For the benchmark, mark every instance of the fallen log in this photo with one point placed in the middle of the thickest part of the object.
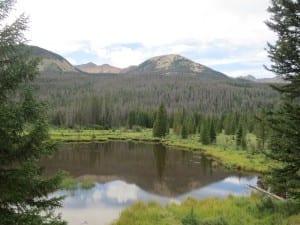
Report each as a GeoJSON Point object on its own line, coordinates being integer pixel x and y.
{"type": "Point", "coordinates": [266, 192]}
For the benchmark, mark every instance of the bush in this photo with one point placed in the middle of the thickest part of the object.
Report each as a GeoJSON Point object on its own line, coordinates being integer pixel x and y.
{"type": "Point", "coordinates": [190, 219]}
{"type": "Point", "coordinates": [137, 128]}
{"type": "Point", "coordinates": [87, 184]}
{"type": "Point", "coordinates": [215, 221]}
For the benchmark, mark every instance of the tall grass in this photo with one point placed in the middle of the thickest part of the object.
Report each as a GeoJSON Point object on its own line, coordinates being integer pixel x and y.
{"type": "Point", "coordinates": [252, 210]}
{"type": "Point", "coordinates": [71, 184]}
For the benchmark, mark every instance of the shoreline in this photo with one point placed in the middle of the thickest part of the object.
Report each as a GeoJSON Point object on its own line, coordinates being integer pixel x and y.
{"type": "Point", "coordinates": [230, 158]}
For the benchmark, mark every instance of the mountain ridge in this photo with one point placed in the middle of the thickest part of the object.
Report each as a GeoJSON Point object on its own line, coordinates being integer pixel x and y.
{"type": "Point", "coordinates": [271, 80]}
{"type": "Point", "coordinates": [173, 64]}
{"type": "Point", "coordinates": [165, 65]}
{"type": "Point", "coordinates": [94, 68]}
{"type": "Point", "coordinates": [50, 61]}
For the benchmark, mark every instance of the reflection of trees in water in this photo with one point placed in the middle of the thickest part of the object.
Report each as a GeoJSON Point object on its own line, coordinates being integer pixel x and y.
{"type": "Point", "coordinates": [131, 146]}
{"type": "Point", "coordinates": [204, 165]}
{"type": "Point", "coordinates": [160, 155]}
{"type": "Point", "coordinates": [94, 158]}
{"type": "Point", "coordinates": [183, 155]}
{"type": "Point", "coordinates": [151, 166]}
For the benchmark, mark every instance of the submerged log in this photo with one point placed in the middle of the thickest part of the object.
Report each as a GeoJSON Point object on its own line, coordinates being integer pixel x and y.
{"type": "Point", "coordinates": [266, 192]}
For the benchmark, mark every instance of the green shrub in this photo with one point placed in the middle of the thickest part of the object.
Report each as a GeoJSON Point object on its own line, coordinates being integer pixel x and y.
{"type": "Point", "coordinates": [87, 184]}
{"type": "Point", "coordinates": [215, 221]}
{"type": "Point", "coordinates": [68, 183]}
{"type": "Point", "coordinates": [190, 219]}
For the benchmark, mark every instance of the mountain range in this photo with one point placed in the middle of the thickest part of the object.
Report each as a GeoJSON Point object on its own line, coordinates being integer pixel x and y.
{"type": "Point", "coordinates": [50, 61]}
{"type": "Point", "coordinates": [93, 68]}
{"type": "Point", "coordinates": [108, 98]}
{"type": "Point", "coordinates": [168, 65]}
{"type": "Point", "coordinates": [273, 80]}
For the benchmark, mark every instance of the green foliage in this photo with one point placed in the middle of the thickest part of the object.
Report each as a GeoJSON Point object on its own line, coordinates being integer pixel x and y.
{"type": "Point", "coordinates": [109, 101]}
{"type": "Point", "coordinates": [24, 135]}
{"type": "Point", "coordinates": [71, 184]}
{"type": "Point", "coordinates": [190, 124]}
{"type": "Point", "coordinates": [241, 137]}
{"type": "Point", "coordinates": [68, 183]}
{"type": "Point", "coordinates": [131, 119]}
{"type": "Point", "coordinates": [190, 219]}
{"type": "Point", "coordinates": [231, 122]}
{"type": "Point", "coordinates": [160, 127]}
{"type": "Point", "coordinates": [261, 130]}
{"type": "Point", "coordinates": [232, 210]}
{"type": "Point", "coordinates": [212, 132]}
{"type": "Point", "coordinates": [87, 184]}
{"type": "Point", "coordinates": [205, 135]}
{"type": "Point", "coordinates": [177, 122]}
{"type": "Point", "coordinates": [215, 221]}
{"type": "Point", "coordinates": [285, 121]}
{"type": "Point", "coordinates": [184, 131]}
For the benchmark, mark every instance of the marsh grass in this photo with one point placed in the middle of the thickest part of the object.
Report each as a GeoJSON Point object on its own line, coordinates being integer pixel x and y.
{"type": "Point", "coordinates": [253, 210]}
{"type": "Point", "coordinates": [68, 183]}
{"type": "Point", "coordinates": [71, 184]}
{"type": "Point", "coordinates": [69, 135]}
{"type": "Point", "coordinates": [87, 184]}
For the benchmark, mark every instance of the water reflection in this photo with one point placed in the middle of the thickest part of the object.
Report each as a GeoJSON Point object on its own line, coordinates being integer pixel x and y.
{"type": "Point", "coordinates": [160, 155]}
{"type": "Point", "coordinates": [103, 203]}
{"type": "Point", "coordinates": [127, 172]}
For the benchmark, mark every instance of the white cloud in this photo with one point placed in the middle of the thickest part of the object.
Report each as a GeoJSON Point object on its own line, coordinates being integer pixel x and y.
{"type": "Point", "coordinates": [66, 26]}
{"type": "Point", "coordinates": [258, 73]}
{"type": "Point", "coordinates": [97, 195]}
{"type": "Point", "coordinates": [72, 61]}
{"type": "Point", "coordinates": [121, 56]}
{"type": "Point", "coordinates": [122, 192]}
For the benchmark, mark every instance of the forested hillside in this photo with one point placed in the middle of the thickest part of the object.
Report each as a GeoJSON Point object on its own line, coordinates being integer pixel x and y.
{"type": "Point", "coordinates": [111, 100]}
{"type": "Point", "coordinates": [132, 97]}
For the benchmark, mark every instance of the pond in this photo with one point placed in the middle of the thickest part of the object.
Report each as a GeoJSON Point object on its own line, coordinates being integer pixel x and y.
{"type": "Point", "coordinates": [126, 172]}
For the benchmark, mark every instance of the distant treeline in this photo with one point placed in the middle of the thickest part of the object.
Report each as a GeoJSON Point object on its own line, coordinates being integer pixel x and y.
{"type": "Point", "coordinates": [112, 101]}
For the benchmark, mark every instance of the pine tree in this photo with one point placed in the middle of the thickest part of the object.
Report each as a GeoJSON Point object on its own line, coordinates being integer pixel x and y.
{"type": "Point", "coordinates": [261, 130]}
{"type": "Point", "coordinates": [191, 125]}
{"type": "Point", "coordinates": [184, 131]}
{"type": "Point", "coordinates": [204, 135]}
{"type": "Point", "coordinates": [241, 137]}
{"type": "Point", "coordinates": [212, 132]}
{"type": "Point", "coordinates": [177, 122]}
{"type": "Point", "coordinates": [160, 127]}
{"type": "Point", "coordinates": [131, 119]}
{"type": "Point", "coordinates": [23, 133]}
{"type": "Point", "coordinates": [285, 121]}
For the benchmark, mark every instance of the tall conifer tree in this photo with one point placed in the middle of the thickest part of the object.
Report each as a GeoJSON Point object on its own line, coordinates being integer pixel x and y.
{"type": "Point", "coordinates": [212, 132]}
{"type": "Point", "coordinates": [204, 134]}
{"type": "Point", "coordinates": [23, 133]}
{"type": "Point", "coordinates": [285, 122]}
{"type": "Point", "coordinates": [160, 127]}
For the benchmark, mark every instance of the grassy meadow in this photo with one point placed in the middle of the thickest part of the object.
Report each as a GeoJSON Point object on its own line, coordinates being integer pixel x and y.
{"type": "Point", "coordinates": [253, 210]}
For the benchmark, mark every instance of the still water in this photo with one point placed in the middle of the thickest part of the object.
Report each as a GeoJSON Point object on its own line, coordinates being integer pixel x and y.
{"type": "Point", "coordinates": [126, 172]}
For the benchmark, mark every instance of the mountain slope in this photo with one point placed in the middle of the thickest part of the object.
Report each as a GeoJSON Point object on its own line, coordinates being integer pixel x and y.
{"type": "Point", "coordinates": [93, 68]}
{"type": "Point", "coordinates": [50, 61]}
{"type": "Point", "coordinates": [106, 100]}
{"type": "Point", "coordinates": [174, 65]}
{"type": "Point", "coordinates": [272, 80]}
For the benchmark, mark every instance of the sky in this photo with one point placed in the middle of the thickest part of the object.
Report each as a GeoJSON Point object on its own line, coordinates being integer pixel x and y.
{"type": "Point", "coordinates": [227, 35]}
